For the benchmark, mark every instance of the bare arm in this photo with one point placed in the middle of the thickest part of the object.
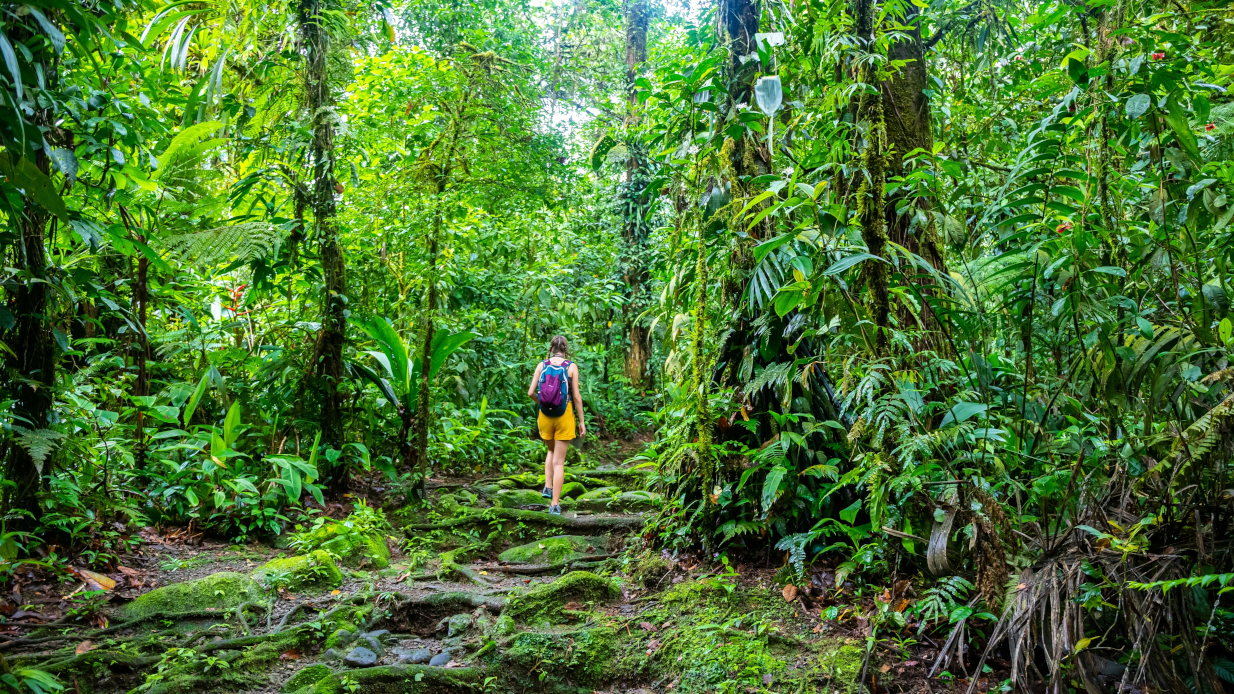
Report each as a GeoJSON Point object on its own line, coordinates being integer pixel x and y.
{"type": "Point", "coordinates": [577, 396]}
{"type": "Point", "coordinates": [535, 380]}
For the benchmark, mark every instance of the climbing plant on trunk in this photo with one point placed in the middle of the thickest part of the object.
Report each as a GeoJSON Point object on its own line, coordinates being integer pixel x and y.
{"type": "Point", "coordinates": [319, 104]}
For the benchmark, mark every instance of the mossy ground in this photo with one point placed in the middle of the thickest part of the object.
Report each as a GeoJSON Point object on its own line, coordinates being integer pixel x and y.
{"type": "Point", "coordinates": [557, 633]}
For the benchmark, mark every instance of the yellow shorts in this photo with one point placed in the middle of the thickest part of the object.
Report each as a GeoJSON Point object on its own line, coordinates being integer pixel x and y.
{"type": "Point", "coordinates": [557, 428]}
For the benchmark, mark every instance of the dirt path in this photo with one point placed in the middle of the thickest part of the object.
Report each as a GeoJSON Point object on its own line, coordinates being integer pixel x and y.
{"type": "Point", "coordinates": [483, 592]}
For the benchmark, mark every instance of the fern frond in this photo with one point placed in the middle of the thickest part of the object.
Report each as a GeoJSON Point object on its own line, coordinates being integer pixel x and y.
{"type": "Point", "coordinates": [39, 443]}
{"type": "Point", "coordinates": [239, 242]}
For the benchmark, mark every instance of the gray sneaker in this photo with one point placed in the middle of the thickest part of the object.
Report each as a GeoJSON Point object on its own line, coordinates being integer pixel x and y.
{"type": "Point", "coordinates": [555, 510]}
{"type": "Point", "coordinates": [547, 493]}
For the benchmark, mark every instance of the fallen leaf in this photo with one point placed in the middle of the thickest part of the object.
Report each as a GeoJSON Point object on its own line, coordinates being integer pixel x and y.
{"type": "Point", "coordinates": [901, 605]}
{"type": "Point", "coordinates": [885, 668]}
{"type": "Point", "coordinates": [911, 663]}
{"type": "Point", "coordinates": [1022, 586]}
{"type": "Point", "coordinates": [292, 654]}
{"type": "Point", "coordinates": [95, 581]}
{"type": "Point", "coordinates": [651, 647]}
{"type": "Point", "coordinates": [23, 614]}
{"type": "Point", "coordinates": [789, 593]}
{"type": "Point", "coordinates": [647, 626]}
{"type": "Point", "coordinates": [574, 606]}
{"type": "Point", "coordinates": [85, 647]}
{"type": "Point", "coordinates": [402, 577]}
{"type": "Point", "coordinates": [453, 664]}
{"type": "Point", "coordinates": [335, 592]}
{"type": "Point", "coordinates": [483, 573]}
{"type": "Point", "coordinates": [128, 572]}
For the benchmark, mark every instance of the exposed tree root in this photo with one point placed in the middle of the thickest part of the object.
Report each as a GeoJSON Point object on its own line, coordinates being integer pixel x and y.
{"type": "Point", "coordinates": [487, 516]}
{"type": "Point", "coordinates": [536, 569]}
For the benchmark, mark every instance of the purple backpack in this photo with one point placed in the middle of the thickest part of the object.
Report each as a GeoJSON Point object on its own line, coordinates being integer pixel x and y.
{"type": "Point", "coordinates": [554, 388]}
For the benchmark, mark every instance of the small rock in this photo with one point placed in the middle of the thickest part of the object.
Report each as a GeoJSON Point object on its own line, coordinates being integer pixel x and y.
{"type": "Point", "coordinates": [361, 657]}
{"type": "Point", "coordinates": [418, 656]}
{"type": "Point", "coordinates": [459, 624]}
{"type": "Point", "coordinates": [440, 660]}
{"type": "Point", "coordinates": [343, 636]}
{"type": "Point", "coordinates": [456, 652]}
{"type": "Point", "coordinates": [374, 645]}
{"type": "Point", "coordinates": [379, 634]}
{"type": "Point", "coordinates": [330, 654]}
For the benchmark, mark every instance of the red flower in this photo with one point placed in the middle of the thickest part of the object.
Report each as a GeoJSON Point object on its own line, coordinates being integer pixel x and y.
{"type": "Point", "coordinates": [1065, 226]}
{"type": "Point", "coordinates": [1210, 127]}
{"type": "Point", "coordinates": [1159, 55]}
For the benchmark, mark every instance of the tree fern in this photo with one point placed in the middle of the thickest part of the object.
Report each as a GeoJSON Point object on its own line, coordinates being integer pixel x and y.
{"type": "Point", "coordinates": [236, 243]}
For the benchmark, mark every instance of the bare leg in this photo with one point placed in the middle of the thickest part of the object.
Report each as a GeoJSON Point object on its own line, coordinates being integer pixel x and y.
{"type": "Point", "coordinates": [548, 463]}
{"type": "Point", "coordinates": [559, 469]}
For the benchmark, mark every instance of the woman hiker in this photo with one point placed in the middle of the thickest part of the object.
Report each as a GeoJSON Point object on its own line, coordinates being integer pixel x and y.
{"type": "Point", "coordinates": [554, 387]}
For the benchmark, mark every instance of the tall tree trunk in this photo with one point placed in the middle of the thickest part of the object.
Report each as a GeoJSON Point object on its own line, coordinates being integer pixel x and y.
{"type": "Point", "coordinates": [32, 363]}
{"type": "Point", "coordinates": [442, 182]}
{"type": "Point", "coordinates": [739, 23]}
{"type": "Point", "coordinates": [321, 198]}
{"type": "Point", "coordinates": [633, 200]}
{"type": "Point", "coordinates": [871, 203]}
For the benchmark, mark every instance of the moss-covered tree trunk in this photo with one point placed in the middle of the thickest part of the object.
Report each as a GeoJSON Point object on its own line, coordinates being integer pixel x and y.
{"type": "Point", "coordinates": [871, 199]}
{"type": "Point", "coordinates": [318, 101]}
{"type": "Point", "coordinates": [633, 201]}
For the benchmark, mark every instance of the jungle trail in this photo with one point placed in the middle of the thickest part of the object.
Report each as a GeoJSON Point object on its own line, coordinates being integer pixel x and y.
{"type": "Point", "coordinates": [903, 332]}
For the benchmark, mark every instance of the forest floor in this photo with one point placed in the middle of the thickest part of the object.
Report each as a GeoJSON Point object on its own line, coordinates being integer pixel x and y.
{"type": "Point", "coordinates": [479, 591]}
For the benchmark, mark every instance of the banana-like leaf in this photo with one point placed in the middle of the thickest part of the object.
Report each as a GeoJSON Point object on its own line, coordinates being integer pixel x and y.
{"type": "Point", "coordinates": [200, 390]}
{"type": "Point", "coordinates": [382, 384]}
{"type": "Point", "coordinates": [394, 349]}
{"type": "Point", "coordinates": [443, 346]}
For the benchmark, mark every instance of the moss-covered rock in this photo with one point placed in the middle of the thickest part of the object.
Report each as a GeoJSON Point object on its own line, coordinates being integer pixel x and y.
{"type": "Point", "coordinates": [354, 549]}
{"type": "Point", "coordinates": [514, 498]}
{"type": "Point", "coordinates": [220, 591]}
{"type": "Point", "coordinates": [601, 493]}
{"type": "Point", "coordinates": [308, 677]}
{"type": "Point", "coordinates": [399, 679]}
{"type": "Point", "coordinates": [625, 502]}
{"type": "Point", "coordinates": [582, 657]}
{"type": "Point", "coordinates": [546, 602]}
{"type": "Point", "coordinates": [313, 571]}
{"type": "Point", "coordinates": [573, 490]}
{"type": "Point", "coordinates": [551, 550]}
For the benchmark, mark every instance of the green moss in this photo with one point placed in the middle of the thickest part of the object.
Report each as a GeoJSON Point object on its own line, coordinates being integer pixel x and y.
{"type": "Point", "coordinates": [601, 493]}
{"type": "Point", "coordinates": [399, 679]}
{"type": "Point", "coordinates": [582, 657]}
{"type": "Point", "coordinates": [316, 570]}
{"type": "Point", "coordinates": [343, 634]}
{"type": "Point", "coordinates": [691, 590]}
{"type": "Point", "coordinates": [513, 498]}
{"type": "Point", "coordinates": [550, 550]}
{"type": "Point", "coordinates": [355, 549]}
{"type": "Point", "coordinates": [649, 570]}
{"type": "Point", "coordinates": [547, 602]}
{"type": "Point", "coordinates": [573, 490]}
{"type": "Point", "coordinates": [841, 666]}
{"type": "Point", "coordinates": [219, 591]}
{"type": "Point", "coordinates": [309, 676]}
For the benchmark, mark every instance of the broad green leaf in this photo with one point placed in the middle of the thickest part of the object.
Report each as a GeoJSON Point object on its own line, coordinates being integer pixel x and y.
{"type": "Point", "coordinates": [443, 346]}
{"type": "Point", "coordinates": [845, 263]}
{"type": "Point", "coordinates": [962, 411]}
{"type": "Point", "coordinates": [200, 390]}
{"type": "Point", "coordinates": [762, 249]}
{"type": "Point", "coordinates": [771, 485]}
{"type": "Point", "coordinates": [23, 173]}
{"type": "Point", "coordinates": [1178, 122]}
